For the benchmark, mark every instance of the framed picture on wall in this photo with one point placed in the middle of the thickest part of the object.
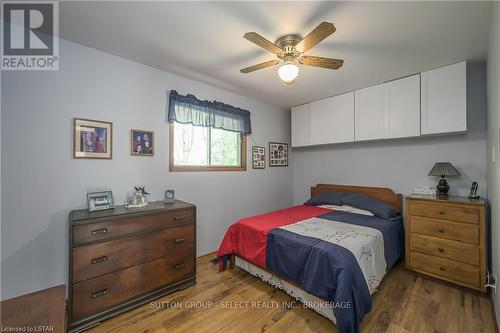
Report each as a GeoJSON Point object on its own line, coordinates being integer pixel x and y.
{"type": "Point", "coordinates": [92, 139]}
{"type": "Point", "coordinates": [278, 154]}
{"type": "Point", "coordinates": [142, 143]}
{"type": "Point", "coordinates": [258, 157]}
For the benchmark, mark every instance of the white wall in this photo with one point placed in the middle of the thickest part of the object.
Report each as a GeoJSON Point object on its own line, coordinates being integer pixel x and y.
{"type": "Point", "coordinates": [493, 118]}
{"type": "Point", "coordinates": [41, 182]}
{"type": "Point", "coordinates": [402, 164]}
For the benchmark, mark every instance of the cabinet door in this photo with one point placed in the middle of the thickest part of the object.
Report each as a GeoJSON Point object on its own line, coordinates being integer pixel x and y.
{"type": "Point", "coordinates": [300, 125]}
{"type": "Point", "coordinates": [332, 120]}
{"type": "Point", "coordinates": [369, 113]}
{"type": "Point", "coordinates": [444, 100]}
{"type": "Point", "coordinates": [403, 107]}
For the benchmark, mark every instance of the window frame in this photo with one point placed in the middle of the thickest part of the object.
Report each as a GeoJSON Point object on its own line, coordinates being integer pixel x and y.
{"type": "Point", "coordinates": [201, 168]}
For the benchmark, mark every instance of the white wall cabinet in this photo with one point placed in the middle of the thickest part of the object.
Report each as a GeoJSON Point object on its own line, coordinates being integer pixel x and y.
{"type": "Point", "coordinates": [331, 120]}
{"type": "Point", "coordinates": [300, 125]}
{"type": "Point", "coordinates": [370, 113]}
{"type": "Point", "coordinates": [388, 110]}
{"type": "Point", "coordinates": [444, 99]}
{"type": "Point", "coordinates": [403, 107]}
{"type": "Point", "coordinates": [432, 102]}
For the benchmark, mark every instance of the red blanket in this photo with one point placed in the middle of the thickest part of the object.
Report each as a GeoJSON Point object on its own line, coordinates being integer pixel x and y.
{"type": "Point", "coordinates": [247, 238]}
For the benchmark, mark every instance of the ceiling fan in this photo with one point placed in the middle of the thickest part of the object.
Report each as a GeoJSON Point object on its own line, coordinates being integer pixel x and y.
{"type": "Point", "coordinates": [290, 50]}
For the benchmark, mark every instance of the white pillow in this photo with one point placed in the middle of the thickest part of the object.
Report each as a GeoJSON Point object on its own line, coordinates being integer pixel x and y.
{"type": "Point", "coordinates": [348, 209]}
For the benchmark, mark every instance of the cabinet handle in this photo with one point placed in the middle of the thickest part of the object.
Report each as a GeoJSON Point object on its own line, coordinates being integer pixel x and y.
{"type": "Point", "coordinates": [442, 268]}
{"type": "Point", "coordinates": [179, 218]}
{"type": "Point", "coordinates": [99, 259]}
{"type": "Point", "coordinates": [99, 232]}
{"type": "Point", "coordinates": [178, 266]}
{"type": "Point", "coordinates": [441, 213]}
{"type": "Point", "coordinates": [441, 230]}
{"type": "Point", "coordinates": [440, 249]}
{"type": "Point", "coordinates": [179, 240]}
{"type": "Point", "coordinates": [99, 293]}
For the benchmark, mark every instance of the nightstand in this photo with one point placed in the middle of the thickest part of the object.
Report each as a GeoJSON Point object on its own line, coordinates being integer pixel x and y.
{"type": "Point", "coordinates": [445, 239]}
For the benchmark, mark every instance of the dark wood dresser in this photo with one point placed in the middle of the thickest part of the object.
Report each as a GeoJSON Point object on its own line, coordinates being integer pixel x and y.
{"type": "Point", "coordinates": [122, 258]}
{"type": "Point", "coordinates": [446, 239]}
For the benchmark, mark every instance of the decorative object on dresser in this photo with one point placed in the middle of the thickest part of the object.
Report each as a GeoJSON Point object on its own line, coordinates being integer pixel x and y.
{"type": "Point", "coordinates": [169, 196]}
{"type": "Point", "coordinates": [446, 239]}
{"type": "Point", "coordinates": [121, 259]}
{"type": "Point", "coordinates": [278, 154]}
{"type": "Point", "coordinates": [100, 201]}
{"type": "Point", "coordinates": [92, 139]}
{"type": "Point", "coordinates": [41, 311]}
{"type": "Point", "coordinates": [138, 198]}
{"type": "Point", "coordinates": [443, 169]}
{"type": "Point", "coordinates": [142, 143]}
{"type": "Point", "coordinates": [258, 157]}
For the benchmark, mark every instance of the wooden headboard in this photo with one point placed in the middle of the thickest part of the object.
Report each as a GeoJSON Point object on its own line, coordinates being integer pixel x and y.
{"type": "Point", "coordinates": [381, 193]}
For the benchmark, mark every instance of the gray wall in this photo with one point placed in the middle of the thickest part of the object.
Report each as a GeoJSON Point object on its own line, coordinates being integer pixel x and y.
{"type": "Point", "coordinates": [494, 144]}
{"type": "Point", "coordinates": [402, 164]}
{"type": "Point", "coordinates": [41, 182]}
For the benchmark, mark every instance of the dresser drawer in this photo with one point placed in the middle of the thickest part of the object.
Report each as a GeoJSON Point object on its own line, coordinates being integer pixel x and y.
{"type": "Point", "coordinates": [445, 229]}
{"type": "Point", "coordinates": [463, 213]}
{"type": "Point", "coordinates": [105, 257]}
{"type": "Point", "coordinates": [84, 233]}
{"type": "Point", "coordinates": [99, 293]}
{"type": "Point", "coordinates": [453, 250]}
{"type": "Point", "coordinates": [448, 269]}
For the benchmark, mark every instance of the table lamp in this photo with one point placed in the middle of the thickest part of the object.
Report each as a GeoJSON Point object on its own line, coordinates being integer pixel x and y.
{"type": "Point", "coordinates": [443, 169]}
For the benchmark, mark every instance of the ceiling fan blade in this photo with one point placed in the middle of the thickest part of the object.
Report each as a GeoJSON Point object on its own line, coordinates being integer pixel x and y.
{"type": "Point", "coordinates": [323, 30]}
{"type": "Point", "coordinates": [262, 42]}
{"type": "Point", "coordinates": [260, 66]}
{"type": "Point", "coordinates": [321, 62]}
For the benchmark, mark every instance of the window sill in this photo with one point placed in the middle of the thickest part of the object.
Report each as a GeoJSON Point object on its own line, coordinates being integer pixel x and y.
{"type": "Point", "coordinates": [187, 168]}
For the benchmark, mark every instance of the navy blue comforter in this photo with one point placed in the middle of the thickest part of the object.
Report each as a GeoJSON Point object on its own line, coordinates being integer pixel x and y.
{"type": "Point", "coordinates": [330, 271]}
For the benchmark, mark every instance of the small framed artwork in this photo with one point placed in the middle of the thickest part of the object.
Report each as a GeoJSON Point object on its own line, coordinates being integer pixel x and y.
{"type": "Point", "coordinates": [142, 143]}
{"type": "Point", "coordinates": [258, 157]}
{"type": "Point", "coordinates": [100, 201]}
{"type": "Point", "coordinates": [92, 139]}
{"type": "Point", "coordinates": [278, 154]}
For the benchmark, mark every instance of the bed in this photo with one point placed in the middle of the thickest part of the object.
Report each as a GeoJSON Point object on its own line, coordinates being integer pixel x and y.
{"type": "Point", "coordinates": [330, 253]}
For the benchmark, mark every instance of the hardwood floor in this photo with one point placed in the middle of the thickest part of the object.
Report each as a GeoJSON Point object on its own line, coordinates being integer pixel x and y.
{"type": "Point", "coordinates": [405, 302]}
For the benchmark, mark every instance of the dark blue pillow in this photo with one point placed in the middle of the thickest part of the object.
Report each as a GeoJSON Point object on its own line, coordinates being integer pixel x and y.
{"type": "Point", "coordinates": [375, 206]}
{"type": "Point", "coordinates": [326, 198]}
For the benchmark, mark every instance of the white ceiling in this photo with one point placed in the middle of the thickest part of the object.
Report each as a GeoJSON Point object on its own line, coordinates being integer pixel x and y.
{"type": "Point", "coordinates": [379, 41]}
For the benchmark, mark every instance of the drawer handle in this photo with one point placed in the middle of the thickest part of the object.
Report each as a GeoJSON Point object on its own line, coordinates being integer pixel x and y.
{"type": "Point", "coordinates": [441, 213]}
{"type": "Point", "coordinates": [440, 249]}
{"type": "Point", "coordinates": [178, 266]}
{"type": "Point", "coordinates": [99, 232]}
{"type": "Point", "coordinates": [180, 240]}
{"type": "Point", "coordinates": [442, 268]}
{"type": "Point", "coordinates": [99, 259]}
{"type": "Point", "coordinates": [441, 230]}
{"type": "Point", "coordinates": [179, 218]}
{"type": "Point", "coordinates": [99, 293]}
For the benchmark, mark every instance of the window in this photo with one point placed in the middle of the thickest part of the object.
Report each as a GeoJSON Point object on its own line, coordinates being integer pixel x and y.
{"type": "Point", "coordinates": [206, 135]}
{"type": "Point", "coordinates": [197, 148]}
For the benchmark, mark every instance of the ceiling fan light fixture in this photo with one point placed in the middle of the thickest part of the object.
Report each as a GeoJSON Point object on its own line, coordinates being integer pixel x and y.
{"type": "Point", "coordinates": [288, 72]}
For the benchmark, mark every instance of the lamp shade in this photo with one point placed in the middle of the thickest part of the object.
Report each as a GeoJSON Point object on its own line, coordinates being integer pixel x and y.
{"type": "Point", "coordinates": [443, 169]}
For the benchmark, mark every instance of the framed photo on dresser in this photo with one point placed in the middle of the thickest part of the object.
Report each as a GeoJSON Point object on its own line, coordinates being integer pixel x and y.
{"type": "Point", "coordinates": [258, 157]}
{"type": "Point", "coordinates": [278, 154]}
{"type": "Point", "coordinates": [92, 139]}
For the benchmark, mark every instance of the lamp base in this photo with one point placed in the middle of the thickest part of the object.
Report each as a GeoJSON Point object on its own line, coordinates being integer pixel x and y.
{"type": "Point", "coordinates": [442, 188]}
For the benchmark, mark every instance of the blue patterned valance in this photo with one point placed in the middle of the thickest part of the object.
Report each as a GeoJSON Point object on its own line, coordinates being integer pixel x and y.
{"type": "Point", "coordinates": [190, 110]}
